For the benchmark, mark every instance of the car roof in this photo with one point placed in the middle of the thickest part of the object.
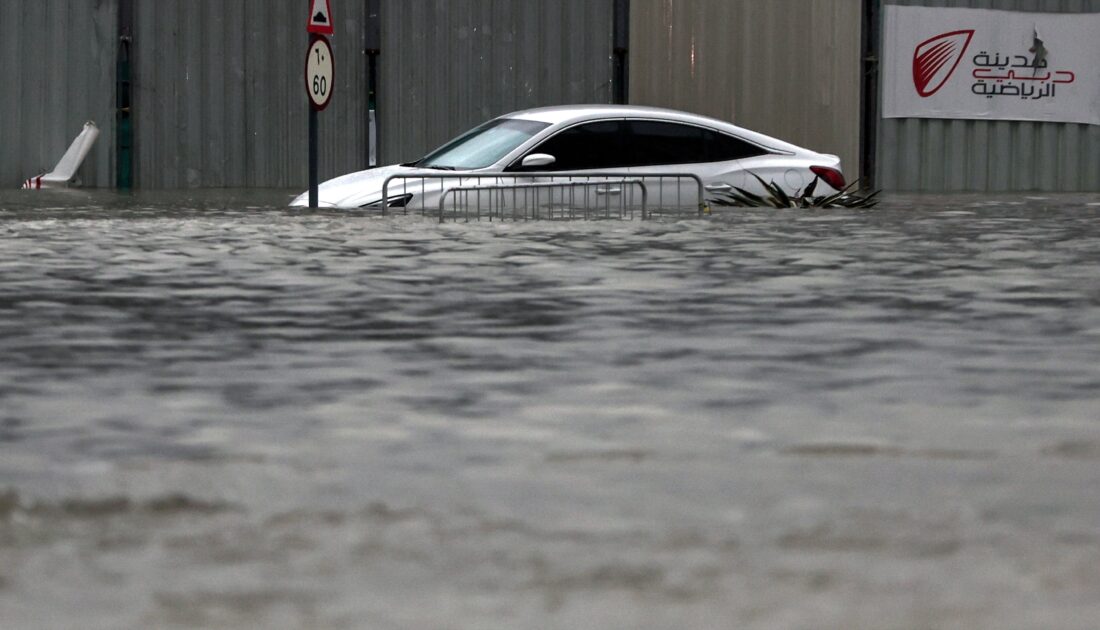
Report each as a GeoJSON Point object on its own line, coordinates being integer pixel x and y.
{"type": "Point", "coordinates": [568, 114]}
{"type": "Point", "coordinates": [572, 113]}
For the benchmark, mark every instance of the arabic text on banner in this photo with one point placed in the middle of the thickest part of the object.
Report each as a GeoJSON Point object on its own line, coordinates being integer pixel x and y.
{"type": "Point", "coordinates": [985, 64]}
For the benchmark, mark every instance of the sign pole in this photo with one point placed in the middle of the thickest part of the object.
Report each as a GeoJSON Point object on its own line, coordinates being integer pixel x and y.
{"type": "Point", "coordinates": [313, 179]}
{"type": "Point", "coordinates": [320, 80]}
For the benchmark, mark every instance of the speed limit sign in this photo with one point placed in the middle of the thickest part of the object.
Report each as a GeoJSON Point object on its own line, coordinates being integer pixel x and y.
{"type": "Point", "coordinates": [319, 72]}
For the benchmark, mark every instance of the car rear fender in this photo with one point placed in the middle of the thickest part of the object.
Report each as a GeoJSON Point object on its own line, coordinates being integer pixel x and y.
{"type": "Point", "coordinates": [791, 173]}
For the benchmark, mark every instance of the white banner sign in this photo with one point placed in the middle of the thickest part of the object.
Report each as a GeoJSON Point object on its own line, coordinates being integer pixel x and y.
{"type": "Point", "coordinates": [977, 63]}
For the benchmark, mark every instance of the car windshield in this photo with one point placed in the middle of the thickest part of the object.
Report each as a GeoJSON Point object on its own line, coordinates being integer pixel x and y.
{"type": "Point", "coordinates": [484, 145]}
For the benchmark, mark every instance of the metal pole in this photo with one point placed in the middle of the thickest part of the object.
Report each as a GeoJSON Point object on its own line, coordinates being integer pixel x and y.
{"type": "Point", "coordinates": [869, 113]}
{"type": "Point", "coordinates": [620, 48]}
{"type": "Point", "coordinates": [373, 38]}
{"type": "Point", "coordinates": [313, 179]}
{"type": "Point", "coordinates": [124, 134]}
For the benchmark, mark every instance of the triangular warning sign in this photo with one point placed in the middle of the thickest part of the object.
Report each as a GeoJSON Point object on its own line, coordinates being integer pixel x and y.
{"type": "Point", "coordinates": [320, 17]}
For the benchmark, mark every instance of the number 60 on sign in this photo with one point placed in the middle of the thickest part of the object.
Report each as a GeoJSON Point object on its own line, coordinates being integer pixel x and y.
{"type": "Point", "coordinates": [319, 72]}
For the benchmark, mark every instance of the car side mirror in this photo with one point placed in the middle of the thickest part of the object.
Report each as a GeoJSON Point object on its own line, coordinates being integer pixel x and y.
{"type": "Point", "coordinates": [537, 160]}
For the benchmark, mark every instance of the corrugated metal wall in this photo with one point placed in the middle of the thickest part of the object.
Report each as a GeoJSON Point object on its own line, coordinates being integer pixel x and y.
{"type": "Point", "coordinates": [976, 155]}
{"type": "Point", "coordinates": [220, 100]}
{"type": "Point", "coordinates": [787, 68]}
{"type": "Point", "coordinates": [57, 66]}
{"type": "Point", "coordinates": [447, 65]}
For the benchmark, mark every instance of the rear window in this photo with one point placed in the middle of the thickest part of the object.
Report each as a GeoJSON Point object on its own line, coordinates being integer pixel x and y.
{"type": "Point", "coordinates": [653, 143]}
{"type": "Point", "coordinates": [721, 148]}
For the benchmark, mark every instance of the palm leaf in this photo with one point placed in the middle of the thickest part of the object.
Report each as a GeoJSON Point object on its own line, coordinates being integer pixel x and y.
{"type": "Point", "coordinates": [757, 200]}
{"type": "Point", "coordinates": [809, 192]}
{"type": "Point", "coordinates": [776, 197]}
{"type": "Point", "coordinates": [735, 199]}
{"type": "Point", "coordinates": [840, 195]}
{"type": "Point", "coordinates": [781, 196]}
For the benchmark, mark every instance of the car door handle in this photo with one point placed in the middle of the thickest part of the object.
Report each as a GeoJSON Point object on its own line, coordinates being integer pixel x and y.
{"type": "Point", "coordinates": [719, 188]}
{"type": "Point", "coordinates": [609, 191]}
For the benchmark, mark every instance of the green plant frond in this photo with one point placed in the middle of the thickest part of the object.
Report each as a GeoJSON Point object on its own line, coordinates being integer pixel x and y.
{"type": "Point", "coordinates": [763, 183]}
{"type": "Point", "coordinates": [776, 197]}
{"type": "Point", "coordinates": [757, 200]}
{"type": "Point", "coordinates": [809, 192]}
{"type": "Point", "coordinates": [733, 199]}
{"type": "Point", "coordinates": [835, 198]}
{"type": "Point", "coordinates": [781, 195]}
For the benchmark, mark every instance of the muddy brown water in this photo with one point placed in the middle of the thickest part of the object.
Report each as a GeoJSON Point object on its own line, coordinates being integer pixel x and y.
{"type": "Point", "coordinates": [218, 412]}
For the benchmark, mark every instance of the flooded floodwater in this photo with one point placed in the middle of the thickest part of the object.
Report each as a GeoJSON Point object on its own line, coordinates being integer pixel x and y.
{"type": "Point", "coordinates": [218, 412]}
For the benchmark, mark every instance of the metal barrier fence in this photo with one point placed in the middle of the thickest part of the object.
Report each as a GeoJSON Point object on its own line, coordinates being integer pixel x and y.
{"type": "Point", "coordinates": [545, 196]}
{"type": "Point", "coordinates": [550, 201]}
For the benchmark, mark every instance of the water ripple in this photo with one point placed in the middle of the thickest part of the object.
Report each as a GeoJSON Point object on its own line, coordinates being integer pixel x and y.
{"type": "Point", "coordinates": [217, 411]}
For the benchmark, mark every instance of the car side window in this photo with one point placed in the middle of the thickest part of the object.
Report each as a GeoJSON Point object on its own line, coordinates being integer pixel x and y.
{"type": "Point", "coordinates": [652, 143]}
{"type": "Point", "coordinates": [722, 148]}
{"type": "Point", "coordinates": [591, 146]}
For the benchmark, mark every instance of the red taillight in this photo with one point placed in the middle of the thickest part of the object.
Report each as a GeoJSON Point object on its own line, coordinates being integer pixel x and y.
{"type": "Point", "coordinates": [831, 176]}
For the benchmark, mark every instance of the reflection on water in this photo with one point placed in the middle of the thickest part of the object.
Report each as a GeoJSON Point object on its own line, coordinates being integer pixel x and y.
{"type": "Point", "coordinates": [217, 412]}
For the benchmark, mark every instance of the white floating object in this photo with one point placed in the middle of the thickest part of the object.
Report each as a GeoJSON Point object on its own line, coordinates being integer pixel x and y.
{"type": "Point", "coordinates": [62, 175]}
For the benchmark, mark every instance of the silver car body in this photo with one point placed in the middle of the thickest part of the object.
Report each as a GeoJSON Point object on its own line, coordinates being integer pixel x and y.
{"type": "Point", "coordinates": [777, 161]}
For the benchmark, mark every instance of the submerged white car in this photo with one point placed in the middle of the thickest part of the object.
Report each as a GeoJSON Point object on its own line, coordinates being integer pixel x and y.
{"type": "Point", "coordinates": [577, 139]}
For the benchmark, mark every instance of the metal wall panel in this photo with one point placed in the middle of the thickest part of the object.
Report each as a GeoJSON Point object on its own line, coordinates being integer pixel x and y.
{"type": "Point", "coordinates": [787, 68]}
{"type": "Point", "coordinates": [447, 65]}
{"type": "Point", "coordinates": [57, 66]}
{"type": "Point", "coordinates": [994, 156]}
{"type": "Point", "coordinates": [219, 96]}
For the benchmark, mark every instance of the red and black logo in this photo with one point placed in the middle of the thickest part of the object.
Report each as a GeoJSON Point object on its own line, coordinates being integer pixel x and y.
{"type": "Point", "coordinates": [935, 60]}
